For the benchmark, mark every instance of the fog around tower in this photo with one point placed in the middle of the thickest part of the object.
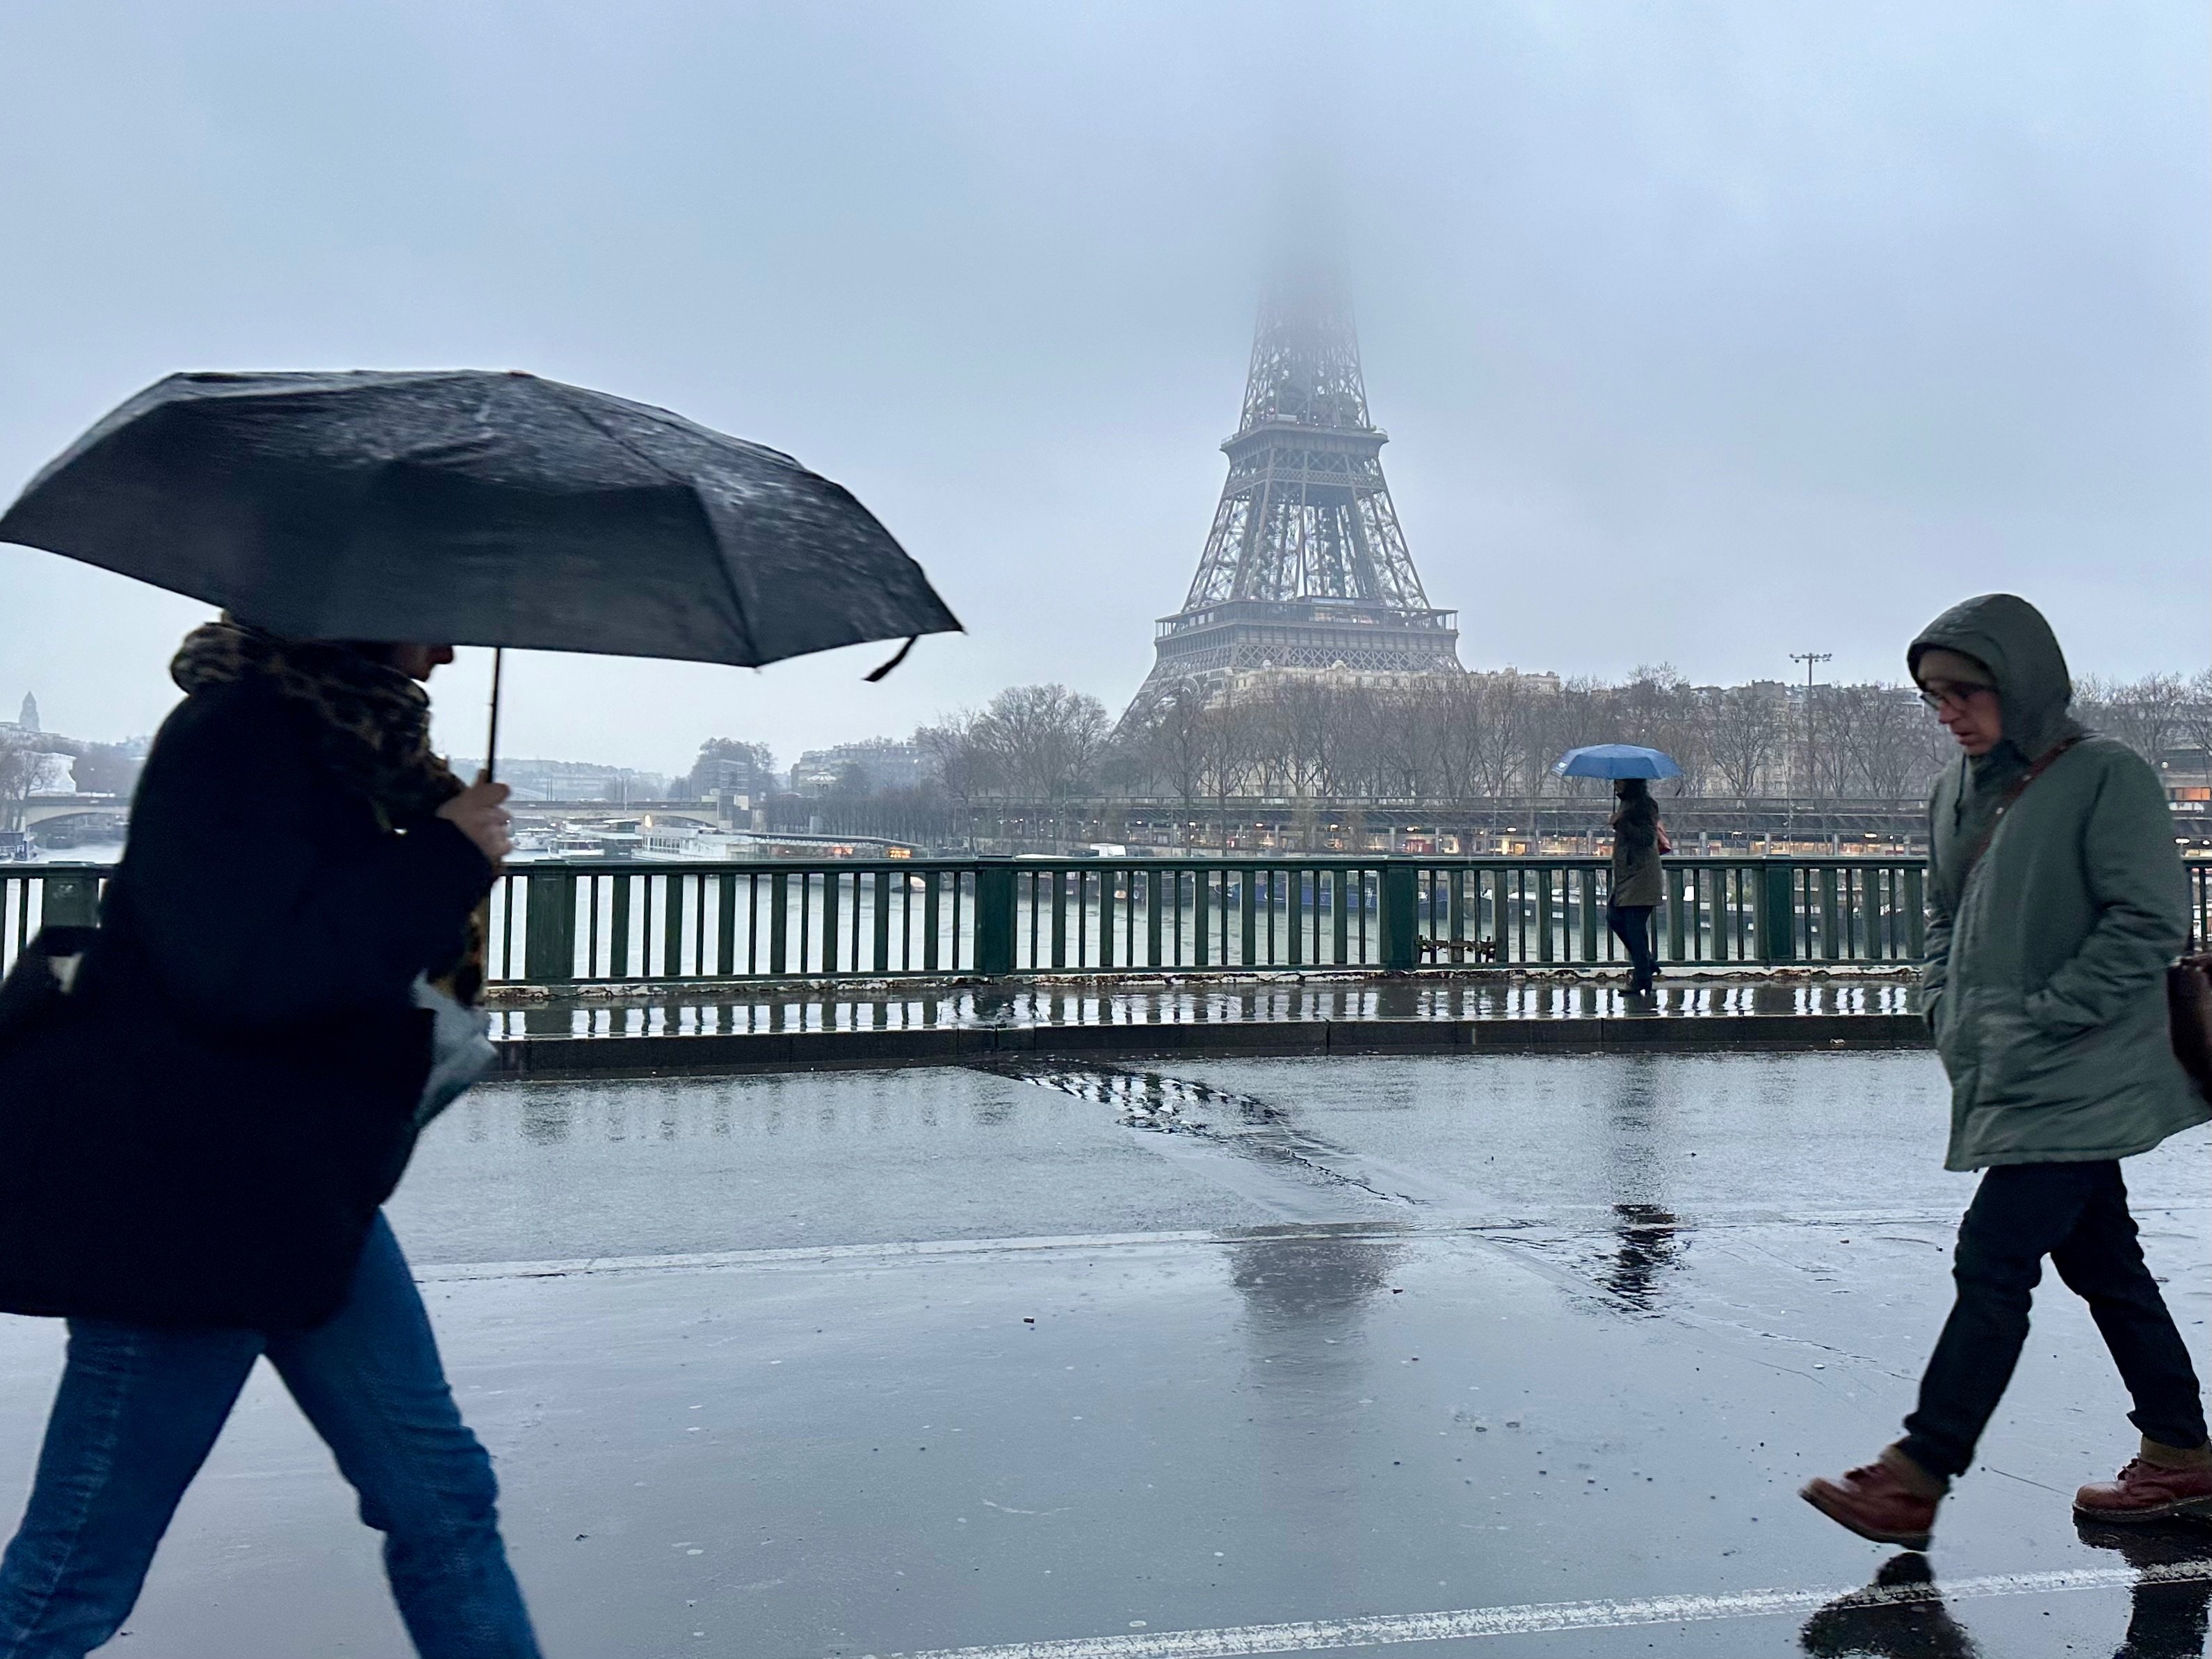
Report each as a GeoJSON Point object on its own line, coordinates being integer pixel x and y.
{"type": "Point", "coordinates": [1702, 333]}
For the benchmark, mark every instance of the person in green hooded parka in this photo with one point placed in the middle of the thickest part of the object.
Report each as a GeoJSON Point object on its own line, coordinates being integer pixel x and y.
{"type": "Point", "coordinates": [2056, 900]}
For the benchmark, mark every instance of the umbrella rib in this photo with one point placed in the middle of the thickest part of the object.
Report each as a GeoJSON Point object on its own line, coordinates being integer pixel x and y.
{"type": "Point", "coordinates": [690, 429]}
{"type": "Point", "coordinates": [729, 581]}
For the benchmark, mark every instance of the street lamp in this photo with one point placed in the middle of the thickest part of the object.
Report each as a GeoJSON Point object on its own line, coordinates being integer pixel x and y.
{"type": "Point", "coordinates": [1811, 659]}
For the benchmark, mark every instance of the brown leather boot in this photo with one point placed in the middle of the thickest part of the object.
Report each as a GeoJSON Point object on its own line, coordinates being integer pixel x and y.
{"type": "Point", "coordinates": [1891, 1500]}
{"type": "Point", "coordinates": [2158, 1482]}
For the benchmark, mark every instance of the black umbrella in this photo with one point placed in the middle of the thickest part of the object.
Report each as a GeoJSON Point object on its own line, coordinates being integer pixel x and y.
{"type": "Point", "coordinates": [473, 508]}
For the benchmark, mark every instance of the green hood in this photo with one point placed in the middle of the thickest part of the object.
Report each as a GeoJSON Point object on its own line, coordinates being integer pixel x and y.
{"type": "Point", "coordinates": [2009, 636]}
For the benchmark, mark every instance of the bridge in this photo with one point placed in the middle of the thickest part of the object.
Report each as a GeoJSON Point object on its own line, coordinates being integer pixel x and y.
{"type": "Point", "coordinates": [71, 820]}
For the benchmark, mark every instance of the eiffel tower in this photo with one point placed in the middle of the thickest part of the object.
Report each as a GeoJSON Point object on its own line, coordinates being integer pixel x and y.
{"type": "Point", "coordinates": [1305, 569]}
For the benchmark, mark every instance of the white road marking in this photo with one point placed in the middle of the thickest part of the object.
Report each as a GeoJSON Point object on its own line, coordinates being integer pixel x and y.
{"type": "Point", "coordinates": [807, 1255]}
{"type": "Point", "coordinates": [1383, 1630]}
{"type": "Point", "coordinates": [1598, 1217]}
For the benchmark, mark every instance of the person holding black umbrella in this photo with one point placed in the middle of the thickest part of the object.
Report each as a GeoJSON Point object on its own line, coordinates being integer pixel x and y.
{"type": "Point", "coordinates": [242, 1061]}
{"type": "Point", "coordinates": [198, 1124]}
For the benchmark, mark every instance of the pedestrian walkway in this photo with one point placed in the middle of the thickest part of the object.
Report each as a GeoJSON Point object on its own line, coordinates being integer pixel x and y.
{"type": "Point", "coordinates": [1493, 1354]}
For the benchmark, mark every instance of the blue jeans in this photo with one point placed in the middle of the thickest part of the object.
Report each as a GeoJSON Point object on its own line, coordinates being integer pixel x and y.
{"type": "Point", "coordinates": [140, 1406]}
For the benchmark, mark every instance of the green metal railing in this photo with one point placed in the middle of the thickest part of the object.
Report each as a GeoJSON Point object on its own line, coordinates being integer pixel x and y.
{"type": "Point", "coordinates": [605, 923]}
{"type": "Point", "coordinates": [598, 923]}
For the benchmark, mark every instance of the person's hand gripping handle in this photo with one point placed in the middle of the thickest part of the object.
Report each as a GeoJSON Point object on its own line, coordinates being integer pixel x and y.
{"type": "Point", "coordinates": [479, 812]}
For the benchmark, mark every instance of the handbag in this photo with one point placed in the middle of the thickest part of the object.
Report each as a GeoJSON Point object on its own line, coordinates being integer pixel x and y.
{"type": "Point", "coordinates": [461, 1055]}
{"type": "Point", "coordinates": [34, 996]}
{"type": "Point", "coordinates": [2189, 1011]}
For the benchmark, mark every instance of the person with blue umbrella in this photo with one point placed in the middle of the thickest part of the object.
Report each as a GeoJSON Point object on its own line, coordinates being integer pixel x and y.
{"type": "Point", "coordinates": [1638, 839]}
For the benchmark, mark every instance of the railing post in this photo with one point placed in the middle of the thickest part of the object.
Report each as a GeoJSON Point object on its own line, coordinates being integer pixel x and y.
{"type": "Point", "coordinates": [70, 899]}
{"type": "Point", "coordinates": [549, 941]}
{"type": "Point", "coordinates": [672, 925]}
{"type": "Point", "coordinates": [994, 918]}
{"type": "Point", "coordinates": [1776, 916]}
{"type": "Point", "coordinates": [1543, 912]}
{"type": "Point", "coordinates": [619, 928]}
{"type": "Point", "coordinates": [725, 924]}
{"type": "Point", "coordinates": [1401, 926]}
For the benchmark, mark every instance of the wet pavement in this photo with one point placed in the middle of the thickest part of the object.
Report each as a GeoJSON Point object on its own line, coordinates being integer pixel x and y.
{"type": "Point", "coordinates": [1496, 1354]}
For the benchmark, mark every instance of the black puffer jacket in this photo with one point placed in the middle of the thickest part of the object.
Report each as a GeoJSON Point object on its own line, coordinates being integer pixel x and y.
{"type": "Point", "coordinates": [205, 1135]}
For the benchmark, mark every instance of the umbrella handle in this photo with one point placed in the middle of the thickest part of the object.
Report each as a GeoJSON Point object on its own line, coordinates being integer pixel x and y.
{"type": "Point", "coordinates": [491, 736]}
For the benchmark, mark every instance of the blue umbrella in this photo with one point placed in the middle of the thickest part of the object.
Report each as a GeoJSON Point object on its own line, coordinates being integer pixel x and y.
{"type": "Point", "coordinates": [1616, 760]}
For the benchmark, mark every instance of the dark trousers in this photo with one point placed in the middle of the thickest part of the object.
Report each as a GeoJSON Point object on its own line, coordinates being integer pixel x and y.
{"type": "Point", "coordinates": [2077, 1215]}
{"type": "Point", "coordinates": [1632, 926]}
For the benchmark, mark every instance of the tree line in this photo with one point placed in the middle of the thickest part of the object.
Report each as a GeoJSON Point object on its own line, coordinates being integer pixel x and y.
{"type": "Point", "coordinates": [1461, 737]}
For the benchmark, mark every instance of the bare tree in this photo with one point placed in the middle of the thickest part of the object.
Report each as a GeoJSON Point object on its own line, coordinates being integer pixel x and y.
{"type": "Point", "coordinates": [1231, 733]}
{"type": "Point", "coordinates": [1174, 743]}
{"type": "Point", "coordinates": [2146, 714]}
{"type": "Point", "coordinates": [966, 766]}
{"type": "Point", "coordinates": [1049, 739]}
{"type": "Point", "coordinates": [22, 767]}
{"type": "Point", "coordinates": [1745, 729]}
{"type": "Point", "coordinates": [2196, 721]}
{"type": "Point", "coordinates": [1298, 721]}
{"type": "Point", "coordinates": [1502, 730]}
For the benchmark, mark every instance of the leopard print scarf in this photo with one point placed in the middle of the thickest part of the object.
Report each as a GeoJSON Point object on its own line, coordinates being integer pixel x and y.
{"type": "Point", "coordinates": [371, 727]}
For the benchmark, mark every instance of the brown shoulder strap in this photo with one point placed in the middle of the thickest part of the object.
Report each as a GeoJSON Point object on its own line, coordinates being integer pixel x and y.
{"type": "Point", "coordinates": [2041, 764]}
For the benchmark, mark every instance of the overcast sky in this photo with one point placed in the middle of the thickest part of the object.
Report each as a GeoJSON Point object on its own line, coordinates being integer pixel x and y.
{"type": "Point", "coordinates": [1703, 332]}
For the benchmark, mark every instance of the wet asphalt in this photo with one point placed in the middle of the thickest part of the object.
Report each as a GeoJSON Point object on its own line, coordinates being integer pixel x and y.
{"type": "Point", "coordinates": [796, 1366]}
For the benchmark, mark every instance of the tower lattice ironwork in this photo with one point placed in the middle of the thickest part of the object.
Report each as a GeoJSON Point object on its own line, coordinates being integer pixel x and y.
{"type": "Point", "coordinates": [1305, 568]}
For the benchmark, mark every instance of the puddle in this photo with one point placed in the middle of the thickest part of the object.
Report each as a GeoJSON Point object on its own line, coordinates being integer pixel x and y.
{"type": "Point", "coordinates": [1158, 1104]}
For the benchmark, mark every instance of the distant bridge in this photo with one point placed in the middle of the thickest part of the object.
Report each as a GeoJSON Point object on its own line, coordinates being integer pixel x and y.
{"type": "Point", "coordinates": [82, 818]}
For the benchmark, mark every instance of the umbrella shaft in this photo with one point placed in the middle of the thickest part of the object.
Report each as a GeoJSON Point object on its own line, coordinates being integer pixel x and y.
{"type": "Point", "coordinates": [491, 736]}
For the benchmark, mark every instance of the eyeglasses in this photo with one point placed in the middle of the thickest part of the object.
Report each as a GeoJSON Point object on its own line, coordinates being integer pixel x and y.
{"type": "Point", "coordinates": [1938, 695]}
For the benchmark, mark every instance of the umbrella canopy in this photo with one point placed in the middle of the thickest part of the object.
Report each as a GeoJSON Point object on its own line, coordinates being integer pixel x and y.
{"type": "Point", "coordinates": [474, 507]}
{"type": "Point", "coordinates": [1616, 760]}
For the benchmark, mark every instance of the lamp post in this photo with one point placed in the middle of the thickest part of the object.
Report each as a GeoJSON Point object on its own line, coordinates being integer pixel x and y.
{"type": "Point", "coordinates": [1811, 659]}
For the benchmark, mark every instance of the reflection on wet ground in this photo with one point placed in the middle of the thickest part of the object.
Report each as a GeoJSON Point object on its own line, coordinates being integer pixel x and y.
{"type": "Point", "coordinates": [1649, 1244]}
{"type": "Point", "coordinates": [2168, 1613]}
{"type": "Point", "coordinates": [673, 1011]}
{"type": "Point", "coordinates": [1902, 1613]}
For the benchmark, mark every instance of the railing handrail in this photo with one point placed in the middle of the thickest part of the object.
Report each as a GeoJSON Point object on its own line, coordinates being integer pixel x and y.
{"type": "Point", "coordinates": [559, 922]}
{"type": "Point", "coordinates": [1162, 860]}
